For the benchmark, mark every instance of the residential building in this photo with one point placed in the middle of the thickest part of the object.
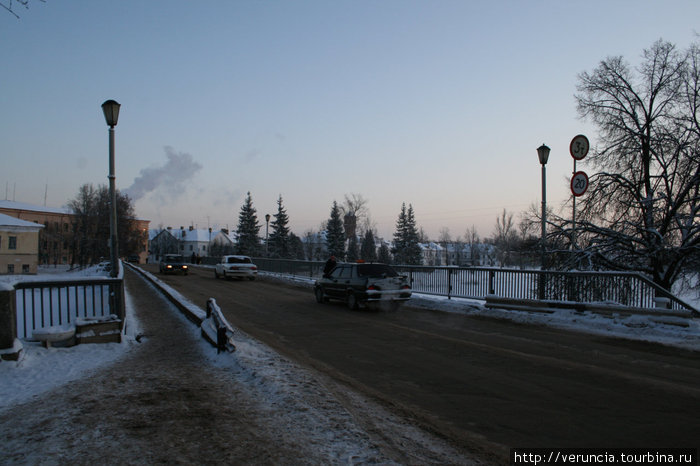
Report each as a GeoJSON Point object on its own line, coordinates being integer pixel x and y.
{"type": "Point", "coordinates": [191, 243]}
{"type": "Point", "coordinates": [56, 239]}
{"type": "Point", "coordinates": [19, 245]}
{"type": "Point", "coordinates": [194, 242]}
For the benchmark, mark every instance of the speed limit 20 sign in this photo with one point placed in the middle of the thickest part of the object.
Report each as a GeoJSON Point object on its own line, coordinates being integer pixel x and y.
{"type": "Point", "coordinates": [579, 183]}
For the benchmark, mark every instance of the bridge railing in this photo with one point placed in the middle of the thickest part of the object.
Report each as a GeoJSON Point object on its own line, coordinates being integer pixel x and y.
{"type": "Point", "coordinates": [619, 288]}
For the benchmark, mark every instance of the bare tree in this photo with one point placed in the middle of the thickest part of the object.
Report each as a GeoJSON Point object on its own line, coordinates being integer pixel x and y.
{"type": "Point", "coordinates": [641, 211]}
{"type": "Point", "coordinates": [471, 237]}
{"type": "Point", "coordinates": [503, 236]}
{"type": "Point", "coordinates": [444, 238]}
{"type": "Point", "coordinates": [7, 4]}
{"type": "Point", "coordinates": [354, 211]}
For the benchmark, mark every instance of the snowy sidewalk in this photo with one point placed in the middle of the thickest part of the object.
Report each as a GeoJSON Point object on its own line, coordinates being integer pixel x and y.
{"type": "Point", "coordinates": [171, 399]}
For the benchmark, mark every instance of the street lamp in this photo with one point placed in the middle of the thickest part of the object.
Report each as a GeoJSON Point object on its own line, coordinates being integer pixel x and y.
{"type": "Point", "coordinates": [111, 111]}
{"type": "Point", "coordinates": [267, 230]}
{"type": "Point", "coordinates": [543, 154]}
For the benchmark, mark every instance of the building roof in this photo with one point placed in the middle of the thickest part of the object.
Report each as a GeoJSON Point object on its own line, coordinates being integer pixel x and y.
{"type": "Point", "coordinates": [16, 223]}
{"type": "Point", "coordinates": [34, 208]}
{"type": "Point", "coordinates": [196, 234]}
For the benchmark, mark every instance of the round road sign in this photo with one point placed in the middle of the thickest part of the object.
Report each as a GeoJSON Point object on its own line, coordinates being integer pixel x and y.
{"type": "Point", "coordinates": [579, 147]}
{"type": "Point", "coordinates": [579, 183]}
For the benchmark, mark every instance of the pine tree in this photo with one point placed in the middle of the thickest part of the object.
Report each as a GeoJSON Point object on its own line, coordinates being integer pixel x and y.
{"type": "Point", "coordinates": [399, 246]}
{"type": "Point", "coordinates": [335, 234]}
{"type": "Point", "coordinates": [353, 249]}
{"type": "Point", "coordinates": [368, 249]}
{"type": "Point", "coordinates": [406, 248]}
{"type": "Point", "coordinates": [384, 254]}
{"type": "Point", "coordinates": [296, 247]}
{"type": "Point", "coordinates": [413, 251]}
{"type": "Point", "coordinates": [278, 242]}
{"type": "Point", "coordinates": [248, 229]}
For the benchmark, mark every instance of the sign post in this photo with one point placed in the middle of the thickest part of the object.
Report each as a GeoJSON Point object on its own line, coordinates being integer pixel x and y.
{"type": "Point", "coordinates": [579, 181]}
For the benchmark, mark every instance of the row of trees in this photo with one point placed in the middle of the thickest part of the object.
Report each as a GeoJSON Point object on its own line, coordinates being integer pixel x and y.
{"type": "Point", "coordinates": [90, 239]}
{"type": "Point", "coordinates": [340, 238]}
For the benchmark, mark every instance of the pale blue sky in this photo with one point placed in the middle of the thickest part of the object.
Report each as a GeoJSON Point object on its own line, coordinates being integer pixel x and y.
{"type": "Point", "coordinates": [440, 104]}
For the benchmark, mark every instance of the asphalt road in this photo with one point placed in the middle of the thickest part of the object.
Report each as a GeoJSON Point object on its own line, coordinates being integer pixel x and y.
{"type": "Point", "coordinates": [486, 385]}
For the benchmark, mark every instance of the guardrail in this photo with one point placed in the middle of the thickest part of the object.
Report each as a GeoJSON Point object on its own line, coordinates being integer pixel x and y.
{"type": "Point", "coordinates": [50, 303]}
{"type": "Point", "coordinates": [619, 288]}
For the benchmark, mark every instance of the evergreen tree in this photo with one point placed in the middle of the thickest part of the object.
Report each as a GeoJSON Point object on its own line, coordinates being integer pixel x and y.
{"type": "Point", "coordinates": [406, 249]}
{"type": "Point", "coordinates": [248, 229]}
{"type": "Point", "coordinates": [296, 247]}
{"type": "Point", "coordinates": [384, 254]}
{"type": "Point", "coordinates": [399, 246]}
{"type": "Point", "coordinates": [278, 242]}
{"type": "Point", "coordinates": [335, 234]}
{"type": "Point", "coordinates": [413, 251]}
{"type": "Point", "coordinates": [368, 249]}
{"type": "Point", "coordinates": [353, 249]}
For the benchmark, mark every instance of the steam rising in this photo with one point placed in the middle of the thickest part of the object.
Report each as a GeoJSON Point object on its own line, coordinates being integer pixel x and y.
{"type": "Point", "coordinates": [171, 178]}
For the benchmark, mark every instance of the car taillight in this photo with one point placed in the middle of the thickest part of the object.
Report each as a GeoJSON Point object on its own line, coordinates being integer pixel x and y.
{"type": "Point", "coordinates": [405, 287]}
{"type": "Point", "coordinates": [373, 288]}
{"type": "Point", "coordinates": [254, 268]}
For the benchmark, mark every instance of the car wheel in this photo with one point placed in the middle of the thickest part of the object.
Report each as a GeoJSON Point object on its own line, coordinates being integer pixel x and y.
{"type": "Point", "coordinates": [352, 301]}
{"type": "Point", "coordinates": [319, 294]}
{"type": "Point", "coordinates": [251, 278]}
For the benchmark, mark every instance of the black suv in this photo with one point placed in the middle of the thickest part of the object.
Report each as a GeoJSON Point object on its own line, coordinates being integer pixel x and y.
{"type": "Point", "coordinates": [363, 283]}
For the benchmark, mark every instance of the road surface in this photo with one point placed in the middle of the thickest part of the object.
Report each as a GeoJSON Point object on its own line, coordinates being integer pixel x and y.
{"type": "Point", "coordinates": [486, 385]}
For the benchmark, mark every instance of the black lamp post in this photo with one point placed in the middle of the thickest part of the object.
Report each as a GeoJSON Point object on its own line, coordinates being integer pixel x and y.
{"type": "Point", "coordinates": [543, 154]}
{"type": "Point", "coordinates": [111, 111]}
{"type": "Point", "coordinates": [267, 230]}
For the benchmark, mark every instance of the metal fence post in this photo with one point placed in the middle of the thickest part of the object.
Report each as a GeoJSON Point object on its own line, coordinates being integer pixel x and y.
{"type": "Point", "coordinates": [8, 325]}
{"type": "Point", "coordinates": [449, 283]}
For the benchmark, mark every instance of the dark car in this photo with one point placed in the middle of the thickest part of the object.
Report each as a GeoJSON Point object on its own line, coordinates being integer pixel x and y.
{"type": "Point", "coordinates": [363, 284]}
{"type": "Point", "coordinates": [173, 263]}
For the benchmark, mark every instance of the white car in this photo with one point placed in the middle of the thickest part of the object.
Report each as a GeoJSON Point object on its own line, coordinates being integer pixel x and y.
{"type": "Point", "coordinates": [236, 266]}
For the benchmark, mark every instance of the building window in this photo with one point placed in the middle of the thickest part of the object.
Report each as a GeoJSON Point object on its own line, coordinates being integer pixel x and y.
{"type": "Point", "coordinates": [25, 268]}
{"type": "Point", "coordinates": [12, 242]}
{"type": "Point", "coordinates": [10, 268]}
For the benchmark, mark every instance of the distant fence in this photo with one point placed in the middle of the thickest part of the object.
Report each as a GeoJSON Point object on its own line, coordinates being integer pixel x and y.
{"type": "Point", "coordinates": [52, 303]}
{"type": "Point", "coordinates": [620, 288]}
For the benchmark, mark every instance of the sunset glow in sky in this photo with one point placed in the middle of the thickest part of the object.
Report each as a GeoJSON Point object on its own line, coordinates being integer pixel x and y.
{"type": "Point", "coordinates": [440, 104]}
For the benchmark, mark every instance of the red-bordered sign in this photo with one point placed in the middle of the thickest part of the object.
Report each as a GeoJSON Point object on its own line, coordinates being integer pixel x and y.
{"type": "Point", "coordinates": [579, 147]}
{"type": "Point", "coordinates": [579, 183]}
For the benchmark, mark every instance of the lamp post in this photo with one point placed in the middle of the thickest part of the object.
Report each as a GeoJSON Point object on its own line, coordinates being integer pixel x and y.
{"type": "Point", "coordinates": [543, 154]}
{"type": "Point", "coordinates": [111, 111]}
{"type": "Point", "coordinates": [267, 230]}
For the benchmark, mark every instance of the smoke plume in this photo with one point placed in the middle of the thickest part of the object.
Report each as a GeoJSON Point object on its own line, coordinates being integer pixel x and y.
{"type": "Point", "coordinates": [169, 179]}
